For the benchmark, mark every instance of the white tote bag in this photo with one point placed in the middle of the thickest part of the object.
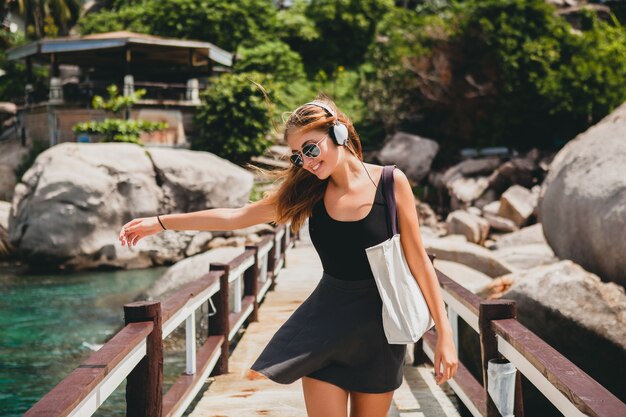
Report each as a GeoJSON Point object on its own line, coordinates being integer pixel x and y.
{"type": "Point", "coordinates": [406, 316]}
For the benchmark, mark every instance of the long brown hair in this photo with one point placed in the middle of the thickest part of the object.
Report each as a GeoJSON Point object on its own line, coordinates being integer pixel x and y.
{"type": "Point", "coordinates": [298, 189]}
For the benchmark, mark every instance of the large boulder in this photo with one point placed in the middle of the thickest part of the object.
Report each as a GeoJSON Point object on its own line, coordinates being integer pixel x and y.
{"type": "Point", "coordinates": [582, 203]}
{"type": "Point", "coordinates": [412, 154]}
{"type": "Point", "coordinates": [576, 313]}
{"type": "Point", "coordinates": [72, 202]}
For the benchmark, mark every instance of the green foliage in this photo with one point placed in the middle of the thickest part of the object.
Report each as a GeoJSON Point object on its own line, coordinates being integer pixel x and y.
{"type": "Point", "coordinates": [128, 17]}
{"type": "Point", "coordinates": [295, 25]}
{"type": "Point", "coordinates": [343, 31]}
{"type": "Point", "coordinates": [13, 82]}
{"type": "Point", "coordinates": [48, 18]}
{"type": "Point", "coordinates": [226, 24]}
{"type": "Point", "coordinates": [274, 57]}
{"type": "Point", "coordinates": [234, 118]}
{"type": "Point", "coordinates": [503, 72]}
{"type": "Point", "coordinates": [28, 159]}
{"type": "Point", "coordinates": [115, 102]}
{"type": "Point", "coordinates": [118, 130]}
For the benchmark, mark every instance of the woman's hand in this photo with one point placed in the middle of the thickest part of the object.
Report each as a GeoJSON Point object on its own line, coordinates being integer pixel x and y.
{"type": "Point", "coordinates": [446, 356]}
{"type": "Point", "coordinates": [139, 228]}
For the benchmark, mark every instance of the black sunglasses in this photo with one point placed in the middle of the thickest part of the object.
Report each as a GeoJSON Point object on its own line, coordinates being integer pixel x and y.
{"type": "Point", "coordinates": [310, 150]}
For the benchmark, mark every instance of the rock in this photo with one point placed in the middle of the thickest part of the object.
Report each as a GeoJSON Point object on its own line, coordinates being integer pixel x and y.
{"type": "Point", "coordinates": [517, 171]}
{"type": "Point", "coordinates": [6, 249]}
{"type": "Point", "coordinates": [496, 288]}
{"type": "Point", "coordinates": [517, 204]}
{"type": "Point", "coordinates": [473, 227]}
{"type": "Point", "coordinates": [475, 211]}
{"type": "Point", "coordinates": [583, 199]}
{"type": "Point", "coordinates": [463, 275]}
{"type": "Point", "coordinates": [486, 198]}
{"type": "Point", "coordinates": [190, 269]}
{"type": "Point", "coordinates": [466, 253]}
{"type": "Point", "coordinates": [220, 242]}
{"type": "Point", "coordinates": [470, 168]}
{"type": "Point", "coordinates": [7, 182]}
{"type": "Point", "coordinates": [492, 208]}
{"type": "Point", "coordinates": [576, 313]}
{"type": "Point", "coordinates": [193, 180]}
{"type": "Point", "coordinates": [69, 208]}
{"type": "Point", "coordinates": [527, 256]}
{"type": "Point", "coordinates": [11, 154]}
{"type": "Point", "coordinates": [525, 236]}
{"type": "Point", "coordinates": [412, 154]}
{"type": "Point", "coordinates": [198, 243]}
{"type": "Point", "coordinates": [499, 223]}
{"type": "Point", "coordinates": [463, 191]}
{"type": "Point", "coordinates": [426, 215]}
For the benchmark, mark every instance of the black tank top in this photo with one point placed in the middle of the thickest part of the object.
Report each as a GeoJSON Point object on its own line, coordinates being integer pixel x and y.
{"type": "Point", "coordinates": [341, 245]}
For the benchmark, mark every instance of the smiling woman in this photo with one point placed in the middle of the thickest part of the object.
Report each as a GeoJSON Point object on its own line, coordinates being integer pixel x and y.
{"type": "Point", "coordinates": [322, 341]}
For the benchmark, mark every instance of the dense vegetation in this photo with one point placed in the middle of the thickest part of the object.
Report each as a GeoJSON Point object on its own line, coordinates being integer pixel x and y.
{"type": "Point", "coordinates": [469, 73]}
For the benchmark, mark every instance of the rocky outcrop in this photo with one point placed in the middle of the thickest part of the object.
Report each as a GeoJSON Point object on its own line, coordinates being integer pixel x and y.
{"type": "Point", "coordinates": [576, 313]}
{"type": "Point", "coordinates": [582, 204]}
{"type": "Point", "coordinates": [412, 154]}
{"type": "Point", "coordinates": [72, 202]}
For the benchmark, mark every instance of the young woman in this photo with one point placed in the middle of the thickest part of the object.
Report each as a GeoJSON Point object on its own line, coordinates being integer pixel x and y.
{"type": "Point", "coordinates": [335, 339]}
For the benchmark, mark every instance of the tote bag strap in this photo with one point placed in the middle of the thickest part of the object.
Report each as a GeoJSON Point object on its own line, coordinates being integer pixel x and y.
{"type": "Point", "coordinates": [390, 198]}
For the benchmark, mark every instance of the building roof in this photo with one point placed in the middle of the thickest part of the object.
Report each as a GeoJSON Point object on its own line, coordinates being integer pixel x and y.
{"type": "Point", "coordinates": [78, 50]}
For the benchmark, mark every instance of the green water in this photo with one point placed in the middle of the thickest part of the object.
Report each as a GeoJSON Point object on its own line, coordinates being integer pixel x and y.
{"type": "Point", "coordinates": [50, 323]}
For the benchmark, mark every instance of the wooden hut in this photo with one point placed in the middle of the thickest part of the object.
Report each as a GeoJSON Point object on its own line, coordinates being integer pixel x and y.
{"type": "Point", "coordinates": [172, 71]}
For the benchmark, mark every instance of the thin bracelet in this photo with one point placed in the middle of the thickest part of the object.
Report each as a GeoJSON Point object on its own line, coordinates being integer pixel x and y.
{"type": "Point", "coordinates": [160, 222]}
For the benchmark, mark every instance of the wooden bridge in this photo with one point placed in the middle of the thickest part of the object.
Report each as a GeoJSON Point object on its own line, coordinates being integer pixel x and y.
{"type": "Point", "coordinates": [260, 288]}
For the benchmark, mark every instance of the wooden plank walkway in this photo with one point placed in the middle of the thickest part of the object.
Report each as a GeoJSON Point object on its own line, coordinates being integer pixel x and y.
{"type": "Point", "coordinates": [242, 394]}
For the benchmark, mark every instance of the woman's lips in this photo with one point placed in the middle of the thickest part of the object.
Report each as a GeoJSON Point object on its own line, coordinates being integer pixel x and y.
{"type": "Point", "coordinates": [316, 167]}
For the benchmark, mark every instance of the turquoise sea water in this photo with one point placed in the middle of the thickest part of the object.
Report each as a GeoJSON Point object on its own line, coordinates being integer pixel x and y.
{"type": "Point", "coordinates": [50, 323]}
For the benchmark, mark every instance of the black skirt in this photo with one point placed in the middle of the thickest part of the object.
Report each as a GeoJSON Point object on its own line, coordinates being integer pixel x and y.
{"type": "Point", "coordinates": [336, 335]}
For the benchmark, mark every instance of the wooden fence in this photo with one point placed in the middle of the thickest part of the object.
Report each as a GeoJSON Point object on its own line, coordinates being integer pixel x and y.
{"type": "Point", "coordinates": [567, 387]}
{"type": "Point", "coordinates": [135, 354]}
{"type": "Point", "coordinates": [234, 290]}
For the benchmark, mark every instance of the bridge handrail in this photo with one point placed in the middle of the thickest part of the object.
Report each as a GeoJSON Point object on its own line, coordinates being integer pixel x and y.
{"type": "Point", "coordinates": [565, 385]}
{"type": "Point", "coordinates": [135, 354]}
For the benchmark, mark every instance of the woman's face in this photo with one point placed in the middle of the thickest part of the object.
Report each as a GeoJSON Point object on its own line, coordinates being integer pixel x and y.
{"type": "Point", "coordinates": [323, 164]}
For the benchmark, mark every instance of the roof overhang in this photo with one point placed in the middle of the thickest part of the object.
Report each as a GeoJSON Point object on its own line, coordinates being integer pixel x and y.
{"type": "Point", "coordinates": [70, 45]}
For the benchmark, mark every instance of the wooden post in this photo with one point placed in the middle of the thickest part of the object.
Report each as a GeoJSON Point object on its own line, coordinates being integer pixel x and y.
{"type": "Point", "coordinates": [251, 283]}
{"type": "Point", "coordinates": [419, 356]}
{"type": "Point", "coordinates": [271, 262]}
{"type": "Point", "coordinates": [495, 310]}
{"type": "Point", "coordinates": [220, 323]}
{"type": "Point", "coordinates": [144, 385]}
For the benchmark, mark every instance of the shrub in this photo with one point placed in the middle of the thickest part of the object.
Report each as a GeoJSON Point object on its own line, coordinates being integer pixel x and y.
{"type": "Point", "coordinates": [274, 57]}
{"type": "Point", "coordinates": [118, 130]}
{"type": "Point", "coordinates": [234, 118]}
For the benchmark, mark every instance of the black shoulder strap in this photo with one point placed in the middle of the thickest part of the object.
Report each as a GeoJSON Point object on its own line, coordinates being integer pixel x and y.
{"type": "Point", "coordinates": [390, 198]}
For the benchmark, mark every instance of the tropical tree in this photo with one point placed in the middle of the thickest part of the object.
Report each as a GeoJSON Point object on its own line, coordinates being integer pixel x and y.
{"type": "Point", "coordinates": [48, 17]}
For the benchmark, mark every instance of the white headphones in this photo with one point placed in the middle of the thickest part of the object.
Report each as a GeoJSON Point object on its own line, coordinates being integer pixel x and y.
{"type": "Point", "coordinates": [338, 132]}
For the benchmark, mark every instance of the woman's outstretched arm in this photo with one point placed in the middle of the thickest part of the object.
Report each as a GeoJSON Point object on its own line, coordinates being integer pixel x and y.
{"type": "Point", "coordinates": [214, 219]}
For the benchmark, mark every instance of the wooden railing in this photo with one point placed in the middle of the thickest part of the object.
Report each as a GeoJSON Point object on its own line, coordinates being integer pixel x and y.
{"type": "Point", "coordinates": [567, 387]}
{"type": "Point", "coordinates": [135, 353]}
